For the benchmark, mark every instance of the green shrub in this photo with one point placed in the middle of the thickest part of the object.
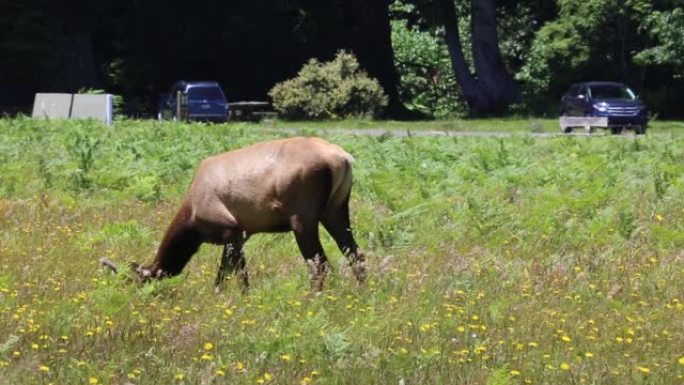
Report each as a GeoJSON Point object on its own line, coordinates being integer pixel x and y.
{"type": "Point", "coordinates": [331, 90]}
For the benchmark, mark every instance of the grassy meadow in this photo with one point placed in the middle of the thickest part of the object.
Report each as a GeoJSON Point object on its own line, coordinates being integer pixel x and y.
{"type": "Point", "coordinates": [517, 260]}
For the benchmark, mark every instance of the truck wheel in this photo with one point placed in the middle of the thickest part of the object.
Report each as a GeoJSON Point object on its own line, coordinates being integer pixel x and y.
{"type": "Point", "coordinates": [616, 130]}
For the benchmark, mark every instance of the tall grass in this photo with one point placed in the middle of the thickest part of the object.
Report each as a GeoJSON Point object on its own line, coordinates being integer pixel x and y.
{"type": "Point", "coordinates": [493, 261]}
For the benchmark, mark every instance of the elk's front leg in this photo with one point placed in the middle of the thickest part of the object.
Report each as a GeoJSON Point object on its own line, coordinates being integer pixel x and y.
{"type": "Point", "coordinates": [232, 260]}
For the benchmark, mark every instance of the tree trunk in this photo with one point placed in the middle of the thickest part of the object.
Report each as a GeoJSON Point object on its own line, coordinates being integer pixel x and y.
{"type": "Point", "coordinates": [493, 76]}
{"type": "Point", "coordinates": [366, 30]}
{"type": "Point", "coordinates": [492, 89]}
{"type": "Point", "coordinates": [76, 63]}
{"type": "Point", "coordinates": [474, 95]}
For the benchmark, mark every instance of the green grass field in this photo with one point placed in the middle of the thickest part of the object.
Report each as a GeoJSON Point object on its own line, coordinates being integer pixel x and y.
{"type": "Point", "coordinates": [517, 260]}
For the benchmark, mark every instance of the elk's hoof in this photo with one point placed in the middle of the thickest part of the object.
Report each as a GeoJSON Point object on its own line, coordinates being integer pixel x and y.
{"type": "Point", "coordinates": [360, 271]}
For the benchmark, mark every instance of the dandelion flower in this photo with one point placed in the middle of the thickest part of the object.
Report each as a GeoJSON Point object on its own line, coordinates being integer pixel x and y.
{"type": "Point", "coordinates": [208, 346]}
{"type": "Point", "coordinates": [643, 369]}
{"type": "Point", "coordinates": [566, 339]}
{"type": "Point", "coordinates": [565, 366]}
{"type": "Point", "coordinates": [268, 376]}
{"type": "Point", "coordinates": [286, 358]}
{"type": "Point", "coordinates": [515, 373]}
{"type": "Point", "coordinates": [220, 373]}
{"type": "Point", "coordinates": [179, 377]}
{"type": "Point", "coordinates": [44, 368]}
{"type": "Point", "coordinates": [93, 381]}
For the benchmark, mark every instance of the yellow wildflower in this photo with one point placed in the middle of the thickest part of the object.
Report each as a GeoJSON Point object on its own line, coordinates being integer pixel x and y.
{"type": "Point", "coordinates": [220, 373]}
{"type": "Point", "coordinates": [681, 360]}
{"type": "Point", "coordinates": [643, 369]}
{"type": "Point", "coordinates": [208, 346]}
{"type": "Point", "coordinates": [515, 373]}
{"type": "Point", "coordinates": [565, 366]}
{"type": "Point", "coordinates": [44, 368]}
{"type": "Point", "coordinates": [93, 381]}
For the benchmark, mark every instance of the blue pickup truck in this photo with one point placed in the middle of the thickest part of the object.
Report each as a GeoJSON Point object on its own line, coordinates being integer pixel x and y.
{"type": "Point", "coordinates": [203, 101]}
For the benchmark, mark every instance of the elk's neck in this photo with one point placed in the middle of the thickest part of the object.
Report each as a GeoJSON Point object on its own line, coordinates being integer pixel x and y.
{"type": "Point", "coordinates": [179, 244]}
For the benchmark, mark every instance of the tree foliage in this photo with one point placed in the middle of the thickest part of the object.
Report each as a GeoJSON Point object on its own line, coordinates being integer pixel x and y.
{"type": "Point", "coordinates": [138, 48]}
{"type": "Point", "coordinates": [604, 40]}
{"type": "Point", "coordinates": [667, 27]}
{"type": "Point", "coordinates": [427, 81]}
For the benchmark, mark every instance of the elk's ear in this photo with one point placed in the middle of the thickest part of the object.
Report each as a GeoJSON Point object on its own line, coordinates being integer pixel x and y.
{"type": "Point", "coordinates": [142, 273]}
{"type": "Point", "coordinates": [134, 267]}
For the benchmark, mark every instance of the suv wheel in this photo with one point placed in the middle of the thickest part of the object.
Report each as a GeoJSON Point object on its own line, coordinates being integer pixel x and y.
{"type": "Point", "coordinates": [640, 130]}
{"type": "Point", "coordinates": [616, 130]}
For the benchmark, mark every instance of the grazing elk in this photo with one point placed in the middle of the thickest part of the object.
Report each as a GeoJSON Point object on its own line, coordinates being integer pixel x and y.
{"type": "Point", "coordinates": [274, 186]}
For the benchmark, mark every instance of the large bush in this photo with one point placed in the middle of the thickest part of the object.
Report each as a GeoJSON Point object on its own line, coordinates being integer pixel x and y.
{"type": "Point", "coordinates": [332, 90]}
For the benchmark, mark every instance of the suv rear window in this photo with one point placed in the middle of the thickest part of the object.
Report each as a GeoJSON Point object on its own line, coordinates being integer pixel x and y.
{"type": "Point", "coordinates": [205, 93]}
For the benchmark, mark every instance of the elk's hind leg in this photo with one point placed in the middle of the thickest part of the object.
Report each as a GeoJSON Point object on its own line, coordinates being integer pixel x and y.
{"type": "Point", "coordinates": [336, 222]}
{"type": "Point", "coordinates": [306, 234]}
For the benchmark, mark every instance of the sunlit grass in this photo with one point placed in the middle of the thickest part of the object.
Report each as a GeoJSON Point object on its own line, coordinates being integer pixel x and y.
{"type": "Point", "coordinates": [455, 126]}
{"type": "Point", "coordinates": [493, 261]}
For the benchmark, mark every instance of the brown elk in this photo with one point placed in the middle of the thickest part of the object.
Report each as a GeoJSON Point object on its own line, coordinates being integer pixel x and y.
{"type": "Point", "coordinates": [274, 186]}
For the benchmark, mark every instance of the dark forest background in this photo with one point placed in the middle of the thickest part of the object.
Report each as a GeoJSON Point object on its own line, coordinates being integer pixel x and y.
{"type": "Point", "coordinates": [434, 58]}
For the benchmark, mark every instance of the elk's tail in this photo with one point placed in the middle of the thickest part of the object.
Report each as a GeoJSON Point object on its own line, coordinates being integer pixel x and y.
{"type": "Point", "coordinates": [341, 180]}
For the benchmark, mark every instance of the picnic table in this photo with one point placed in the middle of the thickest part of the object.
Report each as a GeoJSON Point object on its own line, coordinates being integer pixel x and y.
{"type": "Point", "coordinates": [251, 110]}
